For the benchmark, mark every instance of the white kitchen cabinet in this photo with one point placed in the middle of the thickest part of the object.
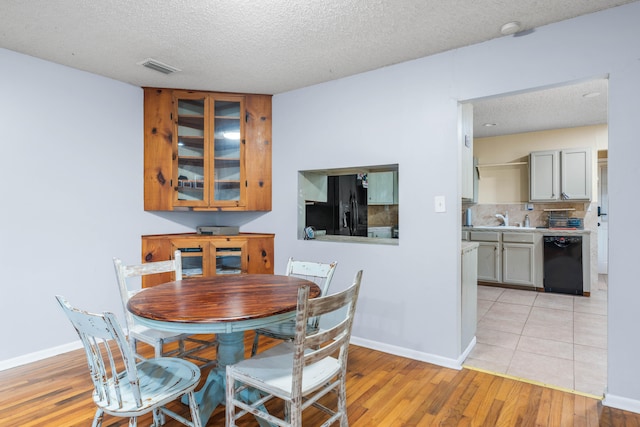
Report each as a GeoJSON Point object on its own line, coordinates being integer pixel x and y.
{"type": "Point", "coordinates": [465, 136]}
{"type": "Point", "coordinates": [313, 186]}
{"type": "Point", "coordinates": [382, 188]}
{"type": "Point", "coordinates": [519, 258]}
{"type": "Point", "coordinates": [544, 181]}
{"type": "Point", "coordinates": [469, 296]}
{"type": "Point", "coordinates": [508, 257]}
{"type": "Point", "coordinates": [558, 175]}
{"type": "Point", "coordinates": [575, 176]}
{"type": "Point", "coordinates": [489, 255]}
{"type": "Point", "coordinates": [489, 262]}
{"type": "Point", "coordinates": [518, 263]}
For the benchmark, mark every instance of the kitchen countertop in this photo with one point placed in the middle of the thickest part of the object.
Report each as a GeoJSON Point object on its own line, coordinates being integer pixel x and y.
{"type": "Point", "coordinates": [546, 231]}
{"type": "Point", "coordinates": [358, 239]}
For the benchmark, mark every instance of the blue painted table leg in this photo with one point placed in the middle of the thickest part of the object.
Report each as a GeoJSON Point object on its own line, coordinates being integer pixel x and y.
{"type": "Point", "coordinates": [212, 393]}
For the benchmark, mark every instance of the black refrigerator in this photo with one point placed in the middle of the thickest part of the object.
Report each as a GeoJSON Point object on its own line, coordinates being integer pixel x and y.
{"type": "Point", "coordinates": [345, 212]}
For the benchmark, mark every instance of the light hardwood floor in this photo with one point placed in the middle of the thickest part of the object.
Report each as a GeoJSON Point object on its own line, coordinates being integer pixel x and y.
{"type": "Point", "coordinates": [383, 390]}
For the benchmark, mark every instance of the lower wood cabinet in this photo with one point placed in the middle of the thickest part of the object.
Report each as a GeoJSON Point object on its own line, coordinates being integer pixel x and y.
{"type": "Point", "coordinates": [205, 255]}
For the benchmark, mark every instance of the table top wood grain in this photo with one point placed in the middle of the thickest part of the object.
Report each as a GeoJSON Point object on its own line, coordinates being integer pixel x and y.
{"type": "Point", "coordinates": [220, 299]}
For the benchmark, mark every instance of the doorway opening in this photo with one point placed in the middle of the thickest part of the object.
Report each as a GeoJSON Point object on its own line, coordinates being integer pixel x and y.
{"type": "Point", "coordinates": [516, 328]}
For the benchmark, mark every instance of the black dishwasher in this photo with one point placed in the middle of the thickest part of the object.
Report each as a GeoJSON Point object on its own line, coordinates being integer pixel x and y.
{"type": "Point", "coordinates": [563, 264]}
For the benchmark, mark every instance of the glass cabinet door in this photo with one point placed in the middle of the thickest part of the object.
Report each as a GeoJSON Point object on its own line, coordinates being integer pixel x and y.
{"type": "Point", "coordinates": [230, 257]}
{"type": "Point", "coordinates": [194, 257]}
{"type": "Point", "coordinates": [206, 258]}
{"type": "Point", "coordinates": [228, 150]}
{"type": "Point", "coordinates": [192, 150]}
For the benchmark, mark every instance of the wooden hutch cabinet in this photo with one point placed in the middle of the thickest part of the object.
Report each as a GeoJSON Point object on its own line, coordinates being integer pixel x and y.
{"type": "Point", "coordinates": [206, 151]}
{"type": "Point", "coordinates": [206, 255]}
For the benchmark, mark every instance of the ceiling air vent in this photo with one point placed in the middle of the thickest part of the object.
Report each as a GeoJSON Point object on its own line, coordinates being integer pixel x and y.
{"type": "Point", "coordinates": [158, 66]}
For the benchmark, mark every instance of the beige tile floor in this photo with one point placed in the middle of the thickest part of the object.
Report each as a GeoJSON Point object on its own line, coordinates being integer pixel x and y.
{"type": "Point", "coordinates": [555, 339]}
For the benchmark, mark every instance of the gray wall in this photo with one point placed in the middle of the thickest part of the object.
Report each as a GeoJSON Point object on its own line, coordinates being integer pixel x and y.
{"type": "Point", "coordinates": [72, 151]}
{"type": "Point", "coordinates": [406, 114]}
{"type": "Point", "coordinates": [72, 198]}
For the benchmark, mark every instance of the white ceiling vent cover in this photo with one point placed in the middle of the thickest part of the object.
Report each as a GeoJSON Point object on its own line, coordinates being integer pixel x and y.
{"type": "Point", "coordinates": [158, 66]}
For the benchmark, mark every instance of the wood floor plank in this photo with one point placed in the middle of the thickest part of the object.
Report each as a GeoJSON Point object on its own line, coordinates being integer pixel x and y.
{"type": "Point", "coordinates": [544, 409]}
{"type": "Point", "coordinates": [511, 396]}
{"type": "Point", "coordinates": [530, 412]}
{"type": "Point", "coordinates": [487, 399]}
{"type": "Point", "coordinates": [383, 390]}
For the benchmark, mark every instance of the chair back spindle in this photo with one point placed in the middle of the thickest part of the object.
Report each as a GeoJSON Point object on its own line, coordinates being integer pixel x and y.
{"type": "Point", "coordinates": [124, 387]}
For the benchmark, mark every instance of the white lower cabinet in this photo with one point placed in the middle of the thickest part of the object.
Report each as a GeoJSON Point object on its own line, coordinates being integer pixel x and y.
{"type": "Point", "coordinates": [518, 264]}
{"type": "Point", "coordinates": [489, 257]}
{"type": "Point", "coordinates": [509, 258]}
{"type": "Point", "coordinates": [469, 296]}
{"type": "Point", "coordinates": [489, 261]}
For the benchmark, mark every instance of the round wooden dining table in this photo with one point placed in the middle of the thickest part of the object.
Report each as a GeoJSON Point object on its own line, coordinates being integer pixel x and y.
{"type": "Point", "coordinates": [226, 305]}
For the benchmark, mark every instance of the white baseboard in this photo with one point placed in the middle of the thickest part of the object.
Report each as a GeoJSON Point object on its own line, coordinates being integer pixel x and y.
{"type": "Point", "coordinates": [412, 354]}
{"type": "Point", "coordinates": [467, 350]}
{"type": "Point", "coordinates": [386, 348]}
{"type": "Point", "coordinates": [620, 402]}
{"type": "Point", "coordinates": [39, 355]}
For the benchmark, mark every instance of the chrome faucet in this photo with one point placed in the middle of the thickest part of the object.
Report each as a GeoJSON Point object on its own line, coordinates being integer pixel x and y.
{"type": "Point", "coordinates": [504, 218]}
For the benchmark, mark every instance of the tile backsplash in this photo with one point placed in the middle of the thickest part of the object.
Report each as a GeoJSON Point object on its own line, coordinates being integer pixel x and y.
{"type": "Point", "coordinates": [485, 214]}
{"type": "Point", "coordinates": [382, 215]}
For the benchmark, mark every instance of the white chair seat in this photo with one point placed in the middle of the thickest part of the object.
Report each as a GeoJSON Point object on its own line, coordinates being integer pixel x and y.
{"type": "Point", "coordinates": [160, 380]}
{"type": "Point", "coordinates": [274, 367]}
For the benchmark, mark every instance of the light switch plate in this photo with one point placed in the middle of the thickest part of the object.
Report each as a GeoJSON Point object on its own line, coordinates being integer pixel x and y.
{"type": "Point", "coordinates": [439, 204]}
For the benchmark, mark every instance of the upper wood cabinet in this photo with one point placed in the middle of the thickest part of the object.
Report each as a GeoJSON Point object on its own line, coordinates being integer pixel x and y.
{"type": "Point", "coordinates": [560, 175]}
{"type": "Point", "coordinates": [206, 151]}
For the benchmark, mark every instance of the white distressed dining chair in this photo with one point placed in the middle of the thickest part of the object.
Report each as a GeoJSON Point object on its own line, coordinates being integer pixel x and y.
{"type": "Point", "coordinates": [156, 338]}
{"type": "Point", "coordinates": [124, 388]}
{"type": "Point", "coordinates": [319, 273]}
{"type": "Point", "coordinates": [299, 372]}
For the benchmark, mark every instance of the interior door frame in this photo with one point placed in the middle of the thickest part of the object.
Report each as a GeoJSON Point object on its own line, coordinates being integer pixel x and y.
{"type": "Point", "coordinates": [603, 219]}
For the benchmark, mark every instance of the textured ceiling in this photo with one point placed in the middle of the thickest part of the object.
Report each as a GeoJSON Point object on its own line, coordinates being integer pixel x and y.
{"type": "Point", "coordinates": [265, 46]}
{"type": "Point", "coordinates": [550, 108]}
